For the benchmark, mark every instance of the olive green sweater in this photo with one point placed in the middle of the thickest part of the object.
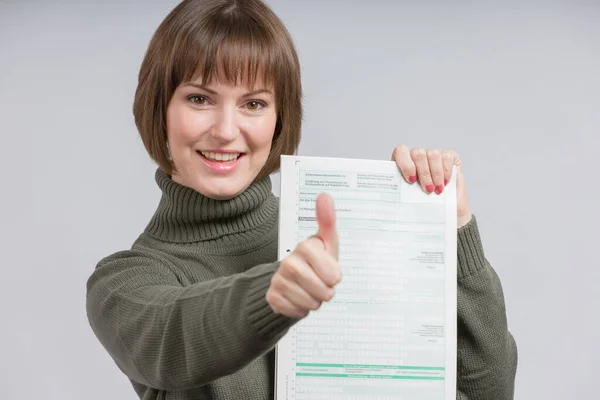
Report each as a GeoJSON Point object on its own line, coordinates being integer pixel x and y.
{"type": "Point", "coordinates": [183, 312]}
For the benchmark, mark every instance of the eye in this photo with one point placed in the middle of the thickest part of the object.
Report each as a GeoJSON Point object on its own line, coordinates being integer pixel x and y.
{"type": "Point", "coordinates": [197, 99]}
{"type": "Point", "coordinates": [254, 105]}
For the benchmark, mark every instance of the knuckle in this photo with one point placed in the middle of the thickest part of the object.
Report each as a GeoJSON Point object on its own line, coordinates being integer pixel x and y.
{"type": "Point", "coordinates": [272, 299]}
{"type": "Point", "coordinates": [301, 247]}
{"type": "Point", "coordinates": [448, 155]}
{"type": "Point", "coordinates": [285, 262]}
{"type": "Point", "coordinates": [399, 150]}
{"type": "Point", "coordinates": [418, 154]}
{"type": "Point", "coordinates": [338, 279]}
{"type": "Point", "coordinates": [310, 246]}
{"type": "Point", "coordinates": [277, 285]}
{"type": "Point", "coordinates": [338, 273]}
{"type": "Point", "coordinates": [289, 266]}
{"type": "Point", "coordinates": [329, 294]}
{"type": "Point", "coordinates": [307, 247]}
{"type": "Point", "coordinates": [294, 270]}
{"type": "Point", "coordinates": [434, 154]}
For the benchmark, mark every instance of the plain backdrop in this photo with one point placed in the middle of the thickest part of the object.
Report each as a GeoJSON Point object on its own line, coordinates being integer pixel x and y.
{"type": "Point", "coordinates": [514, 87]}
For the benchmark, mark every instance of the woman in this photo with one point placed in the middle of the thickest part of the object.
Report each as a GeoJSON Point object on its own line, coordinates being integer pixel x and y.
{"type": "Point", "coordinates": [194, 309]}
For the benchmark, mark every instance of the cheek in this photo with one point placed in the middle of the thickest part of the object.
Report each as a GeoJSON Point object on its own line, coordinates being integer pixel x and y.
{"type": "Point", "coordinates": [182, 124]}
{"type": "Point", "coordinates": [263, 133]}
{"type": "Point", "coordinates": [174, 121]}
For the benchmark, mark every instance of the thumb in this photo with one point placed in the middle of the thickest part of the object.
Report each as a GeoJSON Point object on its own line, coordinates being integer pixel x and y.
{"type": "Point", "coordinates": [326, 221]}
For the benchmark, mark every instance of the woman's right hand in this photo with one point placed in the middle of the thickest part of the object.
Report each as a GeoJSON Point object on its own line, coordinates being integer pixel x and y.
{"type": "Point", "coordinates": [306, 278]}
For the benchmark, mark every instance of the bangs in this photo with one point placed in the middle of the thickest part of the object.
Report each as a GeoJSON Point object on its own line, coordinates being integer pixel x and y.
{"type": "Point", "coordinates": [235, 42]}
{"type": "Point", "coordinates": [240, 51]}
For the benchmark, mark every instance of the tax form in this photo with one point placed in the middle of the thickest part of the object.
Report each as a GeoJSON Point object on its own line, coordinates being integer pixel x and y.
{"type": "Point", "coordinates": [390, 330]}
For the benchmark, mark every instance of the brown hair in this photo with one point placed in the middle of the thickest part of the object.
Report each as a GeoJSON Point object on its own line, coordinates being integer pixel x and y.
{"type": "Point", "coordinates": [244, 38]}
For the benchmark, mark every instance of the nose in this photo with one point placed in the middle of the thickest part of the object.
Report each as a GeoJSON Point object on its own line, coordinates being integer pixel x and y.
{"type": "Point", "coordinates": [226, 127]}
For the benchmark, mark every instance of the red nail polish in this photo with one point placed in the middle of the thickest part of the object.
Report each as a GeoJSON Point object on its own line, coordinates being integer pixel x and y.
{"type": "Point", "coordinates": [439, 189]}
{"type": "Point", "coordinates": [412, 179]}
{"type": "Point", "coordinates": [445, 182]}
{"type": "Point", "coordinates": [429, 188]}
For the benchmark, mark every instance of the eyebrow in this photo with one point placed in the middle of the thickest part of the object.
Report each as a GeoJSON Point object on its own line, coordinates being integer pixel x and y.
{"type": "Point", "coordinates": [252, 93]}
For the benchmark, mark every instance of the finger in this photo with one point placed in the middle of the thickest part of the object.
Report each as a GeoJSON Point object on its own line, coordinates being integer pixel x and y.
{"type": "Point", "coordinates": [449, 158]}
{"type": "Point", "coordinates": [325, 267]}
{"type": "Point", "coordinates": [281, 305]}
{"type": "Point", "coordinates": [299, 297]}
{"type": "Point", "coordinates": [326, 222]}
{"type": "Point", "coordinates": [407, 167]}
{"type": "Point", "coordinates": [419, 157]}
{"type": "Point", "coordinates": [436, 168]}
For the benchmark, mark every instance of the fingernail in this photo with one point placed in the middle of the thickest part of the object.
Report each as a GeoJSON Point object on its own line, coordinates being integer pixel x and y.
{"type": "Point", "coordinates": [439, 189]}
{"type": "Point", "coordinates": [429, 188]}
{"type": "Point", "coordinates": [412, 179]}
{"type": "Point", "coordinates": [445, 182]}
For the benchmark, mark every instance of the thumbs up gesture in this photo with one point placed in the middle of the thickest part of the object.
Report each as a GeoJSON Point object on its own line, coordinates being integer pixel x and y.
{"type": "Point", "coordinates": [306, 278]}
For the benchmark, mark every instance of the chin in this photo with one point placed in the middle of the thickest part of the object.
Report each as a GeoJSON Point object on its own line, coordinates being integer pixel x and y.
{"type": "Point", "coordinates": [221, 189]}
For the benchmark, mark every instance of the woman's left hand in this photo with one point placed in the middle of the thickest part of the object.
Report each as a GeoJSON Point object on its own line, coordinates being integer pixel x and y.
{"type": "Point", "coordinates": [433, 169]}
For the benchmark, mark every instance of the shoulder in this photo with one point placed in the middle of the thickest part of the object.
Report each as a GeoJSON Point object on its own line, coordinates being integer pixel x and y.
{"type": "Point", "coordinates": [127, 264]}
{"type": "Point", "coordinates": [141, 251]}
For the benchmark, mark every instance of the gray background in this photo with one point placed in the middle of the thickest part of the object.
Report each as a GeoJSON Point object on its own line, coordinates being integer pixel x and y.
{"type": "Point", "coordinates": [513, 87]}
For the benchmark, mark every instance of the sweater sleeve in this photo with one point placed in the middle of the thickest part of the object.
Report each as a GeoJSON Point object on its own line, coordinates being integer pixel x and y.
{"type": "Point", "coordinates": [487, 353]}
{"type": "Point", "coordinates": [167, 336]}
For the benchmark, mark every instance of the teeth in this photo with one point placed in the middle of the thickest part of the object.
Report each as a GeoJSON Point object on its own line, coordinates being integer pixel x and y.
{"type": "Point", "coordinates": [220, 156]}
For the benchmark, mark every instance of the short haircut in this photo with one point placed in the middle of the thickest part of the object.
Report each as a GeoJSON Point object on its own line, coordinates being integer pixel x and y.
{"type": "Point", "coordinates": [244, 38]}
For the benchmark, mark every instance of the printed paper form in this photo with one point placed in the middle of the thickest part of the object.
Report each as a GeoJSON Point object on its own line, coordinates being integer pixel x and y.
{"type": "Point", "coordinates": [390, 331]}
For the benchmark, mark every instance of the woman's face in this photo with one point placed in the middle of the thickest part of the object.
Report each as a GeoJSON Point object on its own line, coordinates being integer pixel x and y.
{"type": "Point", "coordinates": [220, 135]}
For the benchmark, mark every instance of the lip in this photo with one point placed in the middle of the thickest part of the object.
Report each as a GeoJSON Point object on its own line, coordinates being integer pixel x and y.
{"type": "Point", "coordinates": [220, 167]}
{"type": "Point", "coordinates": [221, 151]}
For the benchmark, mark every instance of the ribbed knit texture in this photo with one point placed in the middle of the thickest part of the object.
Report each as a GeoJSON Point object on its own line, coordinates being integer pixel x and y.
{"type": "Point", "coordinates": [184, 216]}
{"type": "Point", "coordinates": [487, 352]}
{"type": "Point", "coordinates": [183, 312]}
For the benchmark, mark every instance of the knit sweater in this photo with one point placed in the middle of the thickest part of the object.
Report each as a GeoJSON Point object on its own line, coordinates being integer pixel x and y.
{"type": "Point", "coordinates": [183, 312]}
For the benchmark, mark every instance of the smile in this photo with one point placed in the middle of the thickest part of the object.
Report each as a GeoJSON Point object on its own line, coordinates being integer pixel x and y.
{"type": "Point", "coordinates": [221, 163]}
{"type": "Point", "coordinates": [223, 157]}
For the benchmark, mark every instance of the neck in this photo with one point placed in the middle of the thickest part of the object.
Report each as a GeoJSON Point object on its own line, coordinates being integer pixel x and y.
{"type": "Point", "coordinates": [185, 215]}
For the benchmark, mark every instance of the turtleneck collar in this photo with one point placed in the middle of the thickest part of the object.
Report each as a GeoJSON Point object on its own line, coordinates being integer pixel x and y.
{"type": "Point", "coordinates": [185, 215]}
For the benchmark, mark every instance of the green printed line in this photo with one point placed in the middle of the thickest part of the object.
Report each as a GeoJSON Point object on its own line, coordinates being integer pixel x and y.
{"type": "Point", "coordinates": [387, 220]}
{"type": "Point", "coordinates": [338, 199]}
{"type": "Point", "coordinates": [335, 189]}
{"type": "Point", "coordinates": [424, 378]}
{"type": "Point", "coordinates": [384, 174]}
{"type": "Point", "coordinates": [350, 172]}
{"type": "Point", "coordinates": [311, 227]}
{"type": "Point", "coordinates": [419, 368]}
